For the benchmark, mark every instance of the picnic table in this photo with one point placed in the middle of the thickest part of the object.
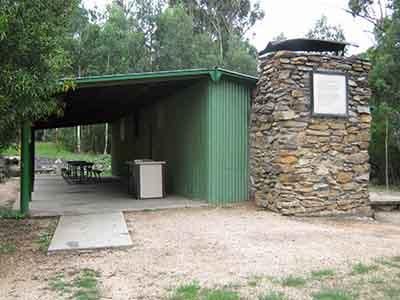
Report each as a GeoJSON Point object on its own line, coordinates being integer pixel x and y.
{"type": "Point", "coordinates": [79, 170]}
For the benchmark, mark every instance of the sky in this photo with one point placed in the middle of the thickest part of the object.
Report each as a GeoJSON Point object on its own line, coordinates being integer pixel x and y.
{"type": "Point", "coordinates": [295, 18]}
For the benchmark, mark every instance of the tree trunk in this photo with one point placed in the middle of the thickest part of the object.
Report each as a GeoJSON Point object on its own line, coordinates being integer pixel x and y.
{"type": "Point", "coordinates": [106, 139]}
{"type": "Point", "coordinates": [108, 64]}
{"type": "Point", "coordinates": [78, 139]}
{"type": "Point", "coordinates": [387, 155]}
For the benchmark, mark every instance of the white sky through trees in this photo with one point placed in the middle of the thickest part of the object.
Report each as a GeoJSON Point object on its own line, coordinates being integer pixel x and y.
{"type": "Point", "coordinates": [295, 18]}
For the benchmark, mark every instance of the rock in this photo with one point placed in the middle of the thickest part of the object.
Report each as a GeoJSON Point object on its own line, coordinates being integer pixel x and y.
{"type": "Point", "coordinates": [297, 93]}
{"type": "Point", "coordinates": [358, 158]}
{"type": "Point", "coordinates": [322, 127]}
{"type": "Point", "coordinates": [288, 159]}
{"type": "Point", "coordinates": [317, 132]}
{"type": "Point", "coordinates": [286, 115]}
{"type": "Point", "coordinates": [363, 110]}
{"type": "Point", "coordinates": [285, 74]}
{"type": "Point", "coordinates": [322, 170]}
{"type": "Point", "coordinates": [344, 177]}
{"type": "Point", "coordinates": [366, 119]}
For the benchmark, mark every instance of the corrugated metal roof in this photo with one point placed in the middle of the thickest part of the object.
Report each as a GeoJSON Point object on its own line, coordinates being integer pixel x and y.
{"type": "Point", "coordinates": [118, 79]}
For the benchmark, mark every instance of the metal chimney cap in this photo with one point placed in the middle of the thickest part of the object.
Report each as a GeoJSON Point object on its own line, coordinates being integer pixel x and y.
{"type": "Point", "coordinates": [304, 44]}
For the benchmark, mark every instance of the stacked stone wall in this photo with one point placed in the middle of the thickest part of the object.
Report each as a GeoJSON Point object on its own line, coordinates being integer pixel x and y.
{"type": "Point", "coordinates": [302, 164]}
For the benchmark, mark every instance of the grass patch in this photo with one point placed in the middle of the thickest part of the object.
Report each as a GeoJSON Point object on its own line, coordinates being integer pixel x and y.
{"type": "Point", "coordinates": [59, 285]}
{"type": "Point", "coordinates": [219, 294]}
{"type": "Point", "coordinates": [7, 248]}
{"type": "Point", "coordinates": [187, 292]}
{"type": "Point", "coordinates": [332, 294]}
{"type": "Point", "coordinates": [44, 238]}
{"type": "Point", "coordinates": [361, 268]}
{"type": "Point", "coordinates": [388, 263]}
{"type": "Point", "coordinates": [376, 280]}
{"type": "Point", "coordinates": [193, 291]}
{"type": "Point", "coordinates": [56, 151]}
{"type": "Point", "coordinates": [392, 293]}
{"type": "Point", "coordinates": [293, 281]}
{"type": "Point", "coordinates": [396, 259]}
{"type": "Point", "coordinates": [254, 280]}
{"type": "Point", "coordinates": [11, 214]}
{"type": "Point", "coordinates": [272, 296]}
{"type": "Point", "coordinates": [84, 286]}
{"type": "Point", "coordinates": [323, 273]}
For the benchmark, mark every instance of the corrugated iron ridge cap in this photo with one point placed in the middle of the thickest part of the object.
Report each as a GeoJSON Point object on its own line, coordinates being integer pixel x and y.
{"type": "Point", "coordinates": [215, 74]}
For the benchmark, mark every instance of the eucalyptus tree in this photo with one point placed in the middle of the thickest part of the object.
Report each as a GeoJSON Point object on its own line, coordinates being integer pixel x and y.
{"type": "Point", "coordinates": [178, 46]}
{"type": "Point", "coordinates": [32, 59]}
{"type": "Point", "coordinates": [225, 20]}
{"type": "Point", "coordinates": [385, 85]}
{"type": "Point", "coordinates": [322, 30]}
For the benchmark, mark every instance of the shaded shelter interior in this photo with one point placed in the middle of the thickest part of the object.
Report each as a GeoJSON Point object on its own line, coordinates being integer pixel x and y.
{"type": "Point", "coordinates": [108, 102]}
{"type": "Point", "coordinates": [197, 124]}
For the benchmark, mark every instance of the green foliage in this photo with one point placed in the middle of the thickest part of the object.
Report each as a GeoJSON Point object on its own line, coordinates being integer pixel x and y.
{"type": "Point", "coordinates": [55, 151]}
{"type": "Point", "coordinates": [84, 286]}
{"type": "Point", "coordinates": [187, 292]}
{"type": "Point", "coordinates": [32, 57]}
{"type": "Point", "coordinates": [59, 284]}
{"type": "Point", "coordinates": [44, 239]}
{"type": "Point", "coordinates": [139, 35]}
{"type": "Point", "coordinates": [254, 280]}
{"type": "Point", "coordinates": [193, 291]}
{"type": "Point", "coordinates": [294, 281]}
{"type": "Point", "coordinates": [376, 280]}
{"type": "Point", "coordinates": [7, 248]}
{"type": "Point", "coordinates": [396, 259]}
{"type": "Point", "coordinates": [178, 46]}
{"type": "Point", "coordinates": [11, 214]}
{"type": "Point", "coordinates": [332, 294]}
{"type": "Point", "coordinates": [360, 269]}
{"type": "Point", "coordinates": [323, 273]}
{"type": "Point", "coordinates": [388, 263]}
{"type": "Point", "coordinates": [324, 31]}
{"type": "Point", "coordinates": [220, 294]}
{"type": "Point", "coordinates": [272, 296]}
{"type": "Point", "coordinates": [383, 115]}
{"type": "Point", "coordinates": [385, 84]}
{"type": "Point", "coordinates": [392, 293]}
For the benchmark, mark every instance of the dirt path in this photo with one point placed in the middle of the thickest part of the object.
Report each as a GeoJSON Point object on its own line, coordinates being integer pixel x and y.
{"type": "Point", "coordinates": [215, 247]}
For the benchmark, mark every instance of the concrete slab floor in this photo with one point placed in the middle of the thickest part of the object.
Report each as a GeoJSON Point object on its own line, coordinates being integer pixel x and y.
{"type": "Point", "coordinates": [90, 232]}
{"type": "Point", "coordinates": [55, 197]}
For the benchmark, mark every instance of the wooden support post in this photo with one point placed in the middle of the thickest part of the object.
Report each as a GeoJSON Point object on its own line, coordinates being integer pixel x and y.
{"type": "Point", "coordinates": [25, 191]}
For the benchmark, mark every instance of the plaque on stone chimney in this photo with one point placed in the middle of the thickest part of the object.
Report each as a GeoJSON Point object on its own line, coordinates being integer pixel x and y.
{"type": "Point", "coordinates": [329, 94]}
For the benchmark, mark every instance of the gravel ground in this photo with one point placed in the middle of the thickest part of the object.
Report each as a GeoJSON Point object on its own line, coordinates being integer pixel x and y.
{"type": "Point", "coordinates": [216, 247]}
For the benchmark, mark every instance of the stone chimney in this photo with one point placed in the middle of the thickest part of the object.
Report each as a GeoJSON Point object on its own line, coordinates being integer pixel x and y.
{"type": "Point", "coordinates": [304, 162]}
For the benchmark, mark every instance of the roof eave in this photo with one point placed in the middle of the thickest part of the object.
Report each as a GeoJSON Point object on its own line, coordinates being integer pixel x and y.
{"type": "Point", "coordinates": [106, 80]}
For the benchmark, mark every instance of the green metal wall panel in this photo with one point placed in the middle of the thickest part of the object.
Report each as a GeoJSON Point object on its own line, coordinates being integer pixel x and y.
{"type": "Point", "coordinates": [174, 130]}
{"type": "Point", "coordinates": [180, 138]}
{"type": "Point", "coordinates": [229, 104]}
{"type": "Point", "coordinates": [202, 134]}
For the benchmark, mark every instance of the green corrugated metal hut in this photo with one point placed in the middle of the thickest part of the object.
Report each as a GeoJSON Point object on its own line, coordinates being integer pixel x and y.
{"type": "Point", "coordinates": [195, 120]}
